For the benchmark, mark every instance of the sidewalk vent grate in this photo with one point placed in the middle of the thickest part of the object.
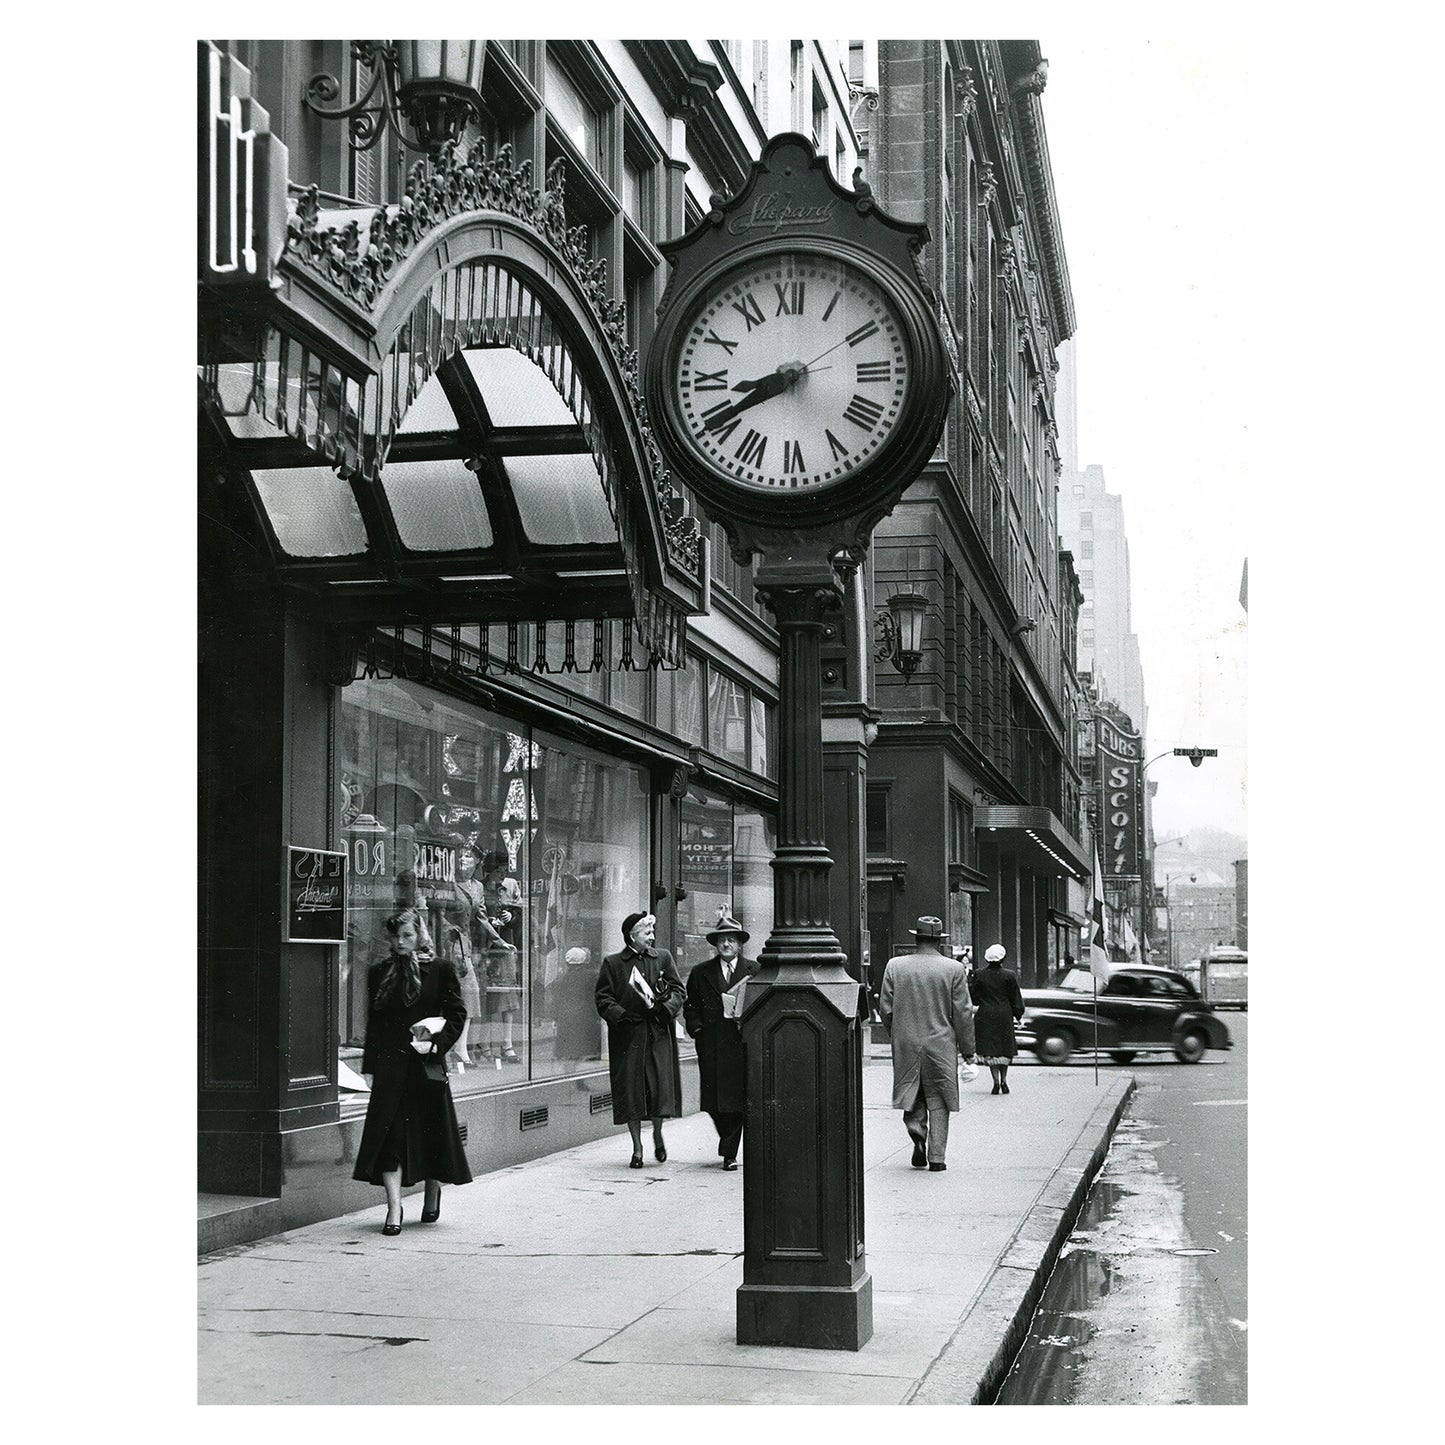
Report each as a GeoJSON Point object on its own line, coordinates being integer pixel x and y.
{"type": "Point", "coordinates": [598, 1102]}
{"type": "Point", "coordinates": [534, 1118]}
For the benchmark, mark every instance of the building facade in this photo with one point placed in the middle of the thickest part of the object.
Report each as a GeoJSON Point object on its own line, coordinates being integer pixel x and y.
{"type": "Point", "coordinates": [973, 785]}
{"type": "Point", "coordinates": [449, 603]}
{"type": "Point", "coordinates": [451, 606]}
{"type": "Point", "coordinates": [1201, 917]}
{"type": "Point", "coordinates": [1091, 523]}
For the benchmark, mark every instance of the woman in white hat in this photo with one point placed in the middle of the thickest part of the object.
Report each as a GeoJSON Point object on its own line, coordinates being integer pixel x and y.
{"type": "Point", "coordinates": [996, 993]}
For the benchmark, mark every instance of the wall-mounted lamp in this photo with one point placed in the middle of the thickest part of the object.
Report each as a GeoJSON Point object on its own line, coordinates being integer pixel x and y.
{"type": "Point", "coordinates": [1023, 625]}
{"type": "Point", "coordinates": [899, 631]}
{"type": "Point", "coordinates": [432, 85]}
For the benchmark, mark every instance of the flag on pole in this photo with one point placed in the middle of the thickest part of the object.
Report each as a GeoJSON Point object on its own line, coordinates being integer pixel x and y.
{"type": "Point", "coordinates": [1098, 954]}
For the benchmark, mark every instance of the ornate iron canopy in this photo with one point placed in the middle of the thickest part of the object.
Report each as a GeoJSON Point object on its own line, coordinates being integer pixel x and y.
{"type": "Point", "coordinates": [433, 418]}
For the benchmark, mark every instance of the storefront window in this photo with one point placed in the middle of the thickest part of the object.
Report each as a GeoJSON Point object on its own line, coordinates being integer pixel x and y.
{"type": "Point", "coordinates": [589, 871]}
{"type": "Point", "coordinates": [725, 860]}
{"type": "Point", "coordinates": [755, 840]}
{"type": "Point", "coordinates": [517, 848]}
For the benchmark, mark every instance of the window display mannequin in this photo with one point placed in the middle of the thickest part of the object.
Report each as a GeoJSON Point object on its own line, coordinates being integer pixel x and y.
{"type": "Point", "coordinates": [457, 950]}
{"type": "Point", "coordinates": [503, 912]}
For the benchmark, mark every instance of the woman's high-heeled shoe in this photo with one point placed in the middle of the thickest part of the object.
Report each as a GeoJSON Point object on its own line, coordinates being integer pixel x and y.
{"type": "Point", "coordinates": [431, 1213]}
{"type": "Point", "coordinates": [390, 1228]}
{"type": "Point", "coordinates": [636, 1160]}
{"type": "Point", "coordinates": [997, 1088]}
{"type": "Point", "coordinates": [659, 1149]}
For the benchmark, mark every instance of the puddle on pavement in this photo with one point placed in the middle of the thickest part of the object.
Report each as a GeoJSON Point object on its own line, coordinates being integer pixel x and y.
{"type": "Point", "coordinates": [1060, 1330]}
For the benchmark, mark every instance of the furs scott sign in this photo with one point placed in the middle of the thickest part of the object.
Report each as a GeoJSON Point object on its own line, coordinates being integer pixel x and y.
{"type": "Point", "coordinates": [1119, 769]}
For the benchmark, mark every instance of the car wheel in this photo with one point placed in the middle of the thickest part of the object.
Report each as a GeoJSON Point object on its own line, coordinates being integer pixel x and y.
{"type": "Point", "coordinates": [1054, 1047]}
{"type": "Point", "coordinates": [1122, 1056]}
{"type": "Point", "coordinates": [1190, 1049]}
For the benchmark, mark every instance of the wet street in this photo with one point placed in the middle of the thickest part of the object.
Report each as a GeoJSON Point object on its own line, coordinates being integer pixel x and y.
{"type": "Point", "coordinates": [1148, 1304]}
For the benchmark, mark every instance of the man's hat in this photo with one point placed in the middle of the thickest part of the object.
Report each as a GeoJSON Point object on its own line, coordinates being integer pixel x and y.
{"type": "Point", "coordinates": [928, 927]}
{"type": "Point", "coordinates": [725, 925]}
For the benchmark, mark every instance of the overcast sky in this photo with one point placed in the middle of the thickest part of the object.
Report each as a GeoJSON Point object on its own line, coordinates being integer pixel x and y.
{"type": "Point", "coordinates": [1146, 138]}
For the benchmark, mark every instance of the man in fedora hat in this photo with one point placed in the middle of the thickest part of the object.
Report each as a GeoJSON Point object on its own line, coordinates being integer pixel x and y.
{"type": "Point", "coordinates": [925, 1006]}
{"type": "Point", "coordinates": [709, 1017]}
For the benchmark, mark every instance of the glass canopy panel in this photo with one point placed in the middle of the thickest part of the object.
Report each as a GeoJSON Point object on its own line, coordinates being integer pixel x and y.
{"type": "Point", "coordinates": [560, 499]}
{"type": "Point", "coordinates": [437, 505]}
{"type": "Point", "coordinates": [431, 411]}
{"type": "Point", "coordinates": [241, 397]}
{"type": "Point", "coordinates": [516, 391]}
{"type": "Point", "coordinates": [312, 512]}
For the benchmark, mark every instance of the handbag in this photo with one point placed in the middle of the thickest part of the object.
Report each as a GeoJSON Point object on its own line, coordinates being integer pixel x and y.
{"type": "Point", "coordinates": [967, 1072]}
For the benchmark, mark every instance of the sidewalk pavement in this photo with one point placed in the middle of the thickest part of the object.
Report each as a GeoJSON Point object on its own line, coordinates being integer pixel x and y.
{"type": "Point", "coordinates": [541, 1280]}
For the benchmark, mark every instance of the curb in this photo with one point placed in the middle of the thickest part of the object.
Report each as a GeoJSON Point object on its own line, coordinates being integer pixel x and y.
{"type": "Point", "coordinates": [972, 1365]}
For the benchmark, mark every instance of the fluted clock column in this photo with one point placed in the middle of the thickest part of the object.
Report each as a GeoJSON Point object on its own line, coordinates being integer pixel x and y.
{"type": "Point", "coordinates": [805, 1280]}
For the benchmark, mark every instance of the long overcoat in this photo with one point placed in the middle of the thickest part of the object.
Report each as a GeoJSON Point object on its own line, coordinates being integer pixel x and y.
{"type": "Point", "coordinates": [996, 994]}
{"type": "Point", "coordinates": [722, 1065]}
{"type": "Point", "coordinates": [411, 1084]}
{"type": "Point", "coordinates": [641, 1041]}
{"type": "Point", "coordinates": [925, 1006]}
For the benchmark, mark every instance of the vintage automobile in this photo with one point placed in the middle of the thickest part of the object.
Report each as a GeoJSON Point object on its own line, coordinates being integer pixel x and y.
{"type": "Point", "coordinates": [1141, 1010]}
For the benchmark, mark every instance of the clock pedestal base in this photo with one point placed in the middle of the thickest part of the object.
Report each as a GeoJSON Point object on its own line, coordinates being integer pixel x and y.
{"type": "Point", "coordinates": [805, 1280]}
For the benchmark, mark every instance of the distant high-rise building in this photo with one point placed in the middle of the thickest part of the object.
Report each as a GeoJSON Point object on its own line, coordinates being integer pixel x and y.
{"type": "Point", "coordinates": [1091, 526]}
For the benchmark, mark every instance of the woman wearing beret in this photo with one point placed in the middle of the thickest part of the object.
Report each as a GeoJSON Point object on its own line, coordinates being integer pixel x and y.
{"type": "Point", "coordinates": [639, 994]}
{"type": "Point", "coordinates": [996, 993]}
{"type": "Point", "coordinates": [416, 1014]}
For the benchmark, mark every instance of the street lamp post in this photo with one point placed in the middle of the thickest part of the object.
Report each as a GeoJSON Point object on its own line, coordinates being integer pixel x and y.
{"type": "Point", "coordinates": [1169, 914]}
{"type": "Point", "coordinates": [1196, 756]}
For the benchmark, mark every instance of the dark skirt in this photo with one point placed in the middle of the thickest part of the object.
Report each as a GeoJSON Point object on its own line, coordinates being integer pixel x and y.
{"type": "Point", "coordinates": [411, 1124]}
{"type": "Point", "coordinates": [993, 1032]}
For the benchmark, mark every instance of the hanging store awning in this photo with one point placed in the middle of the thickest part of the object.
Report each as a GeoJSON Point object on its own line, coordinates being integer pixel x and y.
{"type": "Point", "coordinates": [427, 415]}
{"type": "Point", "coordinates": [1036, 835]}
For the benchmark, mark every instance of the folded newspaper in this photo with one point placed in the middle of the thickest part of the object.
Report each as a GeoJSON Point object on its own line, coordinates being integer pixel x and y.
{"type": "Point", "coordinates": [428, 1028]}
{"type": "Point", "coordinates": [637, 981]}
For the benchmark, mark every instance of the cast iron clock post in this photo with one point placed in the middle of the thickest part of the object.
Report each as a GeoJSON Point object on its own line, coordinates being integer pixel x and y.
{"type": "Point", "coordinates": [797, 382]}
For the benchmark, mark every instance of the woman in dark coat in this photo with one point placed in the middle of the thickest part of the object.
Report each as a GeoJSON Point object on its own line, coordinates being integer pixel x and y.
{"type": "Point", "coordinates": [722, 1064]}
{"type": "Point", "coordinates": [416, 1014]}
{"type": "Point", "coordinates": [995, 991]}
{"type": "Point", "coordinates": [575, 1009]}
{"type": "Point", "coordinates": [639, 993]}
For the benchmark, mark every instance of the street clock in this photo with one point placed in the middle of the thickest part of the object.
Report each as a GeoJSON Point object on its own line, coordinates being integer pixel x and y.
{"type": "Point", "coordinates": [797, 378]}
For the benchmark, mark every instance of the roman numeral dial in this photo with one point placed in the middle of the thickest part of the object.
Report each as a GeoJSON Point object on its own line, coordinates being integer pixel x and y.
{"type": "Point", "coordinates": [790, 372]}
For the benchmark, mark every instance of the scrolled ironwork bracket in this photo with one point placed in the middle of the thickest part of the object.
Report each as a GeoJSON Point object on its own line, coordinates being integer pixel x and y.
{"type": "Point", "coordinates": [367, 122]}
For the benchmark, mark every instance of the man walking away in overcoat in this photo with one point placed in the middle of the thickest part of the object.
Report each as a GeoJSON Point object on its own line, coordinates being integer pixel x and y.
{"type": "Point", "coordinates": [925, 1006]}
{"type": "Point", "coordinates": [721, 1062]}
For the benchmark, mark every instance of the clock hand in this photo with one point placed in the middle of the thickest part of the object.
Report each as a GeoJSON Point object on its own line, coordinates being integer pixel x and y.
{"type": "Point", "coordinates": [761, 390]}
{"type": "Point", "coordinates": [822, 354]}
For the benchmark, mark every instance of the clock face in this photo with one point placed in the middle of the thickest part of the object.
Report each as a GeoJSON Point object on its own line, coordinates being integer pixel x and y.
{"type": "Point", "coordinates": [792, 372]}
